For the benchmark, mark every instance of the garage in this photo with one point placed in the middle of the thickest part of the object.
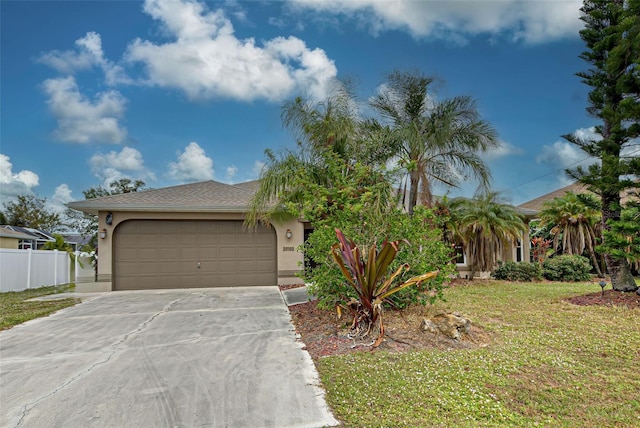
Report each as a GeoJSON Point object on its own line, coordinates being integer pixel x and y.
{"type": "Point", "coordinates": [153, 254]}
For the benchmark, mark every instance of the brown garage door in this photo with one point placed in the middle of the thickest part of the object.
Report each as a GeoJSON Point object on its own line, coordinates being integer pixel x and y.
{"type": "Point", "coordinates": [183, 254]}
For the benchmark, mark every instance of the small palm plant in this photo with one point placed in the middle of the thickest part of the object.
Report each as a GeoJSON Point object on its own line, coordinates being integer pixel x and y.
{"type": "Point", "coordinates": [371, 282]}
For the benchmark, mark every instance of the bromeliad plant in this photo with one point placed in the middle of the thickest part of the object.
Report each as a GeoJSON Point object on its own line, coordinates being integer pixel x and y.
{"type": "Point", "coordinates": [371, 282]}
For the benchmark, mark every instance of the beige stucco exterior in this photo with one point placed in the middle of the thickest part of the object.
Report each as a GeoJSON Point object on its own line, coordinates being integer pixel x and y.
{"type": "Point", "coordinates": [289, 257]}
{"type": "Point", "coordinates": [11, 243]}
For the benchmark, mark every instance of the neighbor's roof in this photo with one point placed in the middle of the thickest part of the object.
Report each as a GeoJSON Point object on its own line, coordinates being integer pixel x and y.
{"type": "Point", "coordinates": [577, 188]}
{"type": "Point", "coordinates": [205, 196]}
{"type": "Point", "coordinates": [8, 233]}
{"type": "Point", "coordinates": [536, 204]}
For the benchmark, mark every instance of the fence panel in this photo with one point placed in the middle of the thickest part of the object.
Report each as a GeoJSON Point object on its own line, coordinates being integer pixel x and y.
{"type": "Point", "coordinates": [22, 269]}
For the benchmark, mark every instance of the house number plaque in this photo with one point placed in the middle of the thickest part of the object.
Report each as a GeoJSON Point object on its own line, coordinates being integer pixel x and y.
{"type": "Point", "coordinates": [288, 249]}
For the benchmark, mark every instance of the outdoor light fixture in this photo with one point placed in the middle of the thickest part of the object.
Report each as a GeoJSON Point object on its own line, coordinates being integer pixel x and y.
{"type": "Point", "coordinates": [103, 233]}
{"type": "Point", "coordinates": [289, 234]}
{"type": "Point", "coordinates": [602, 284]}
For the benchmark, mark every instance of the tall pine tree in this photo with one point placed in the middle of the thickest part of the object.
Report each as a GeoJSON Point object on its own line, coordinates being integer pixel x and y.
{"type": "Point", "coordinates": [612, 37]}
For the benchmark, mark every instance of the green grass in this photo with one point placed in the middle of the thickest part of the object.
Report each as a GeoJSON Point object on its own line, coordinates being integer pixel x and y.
{"type": "Point", "coordinates": [14, 308]}
{"type": "Point", "coordinates": [550, 363]}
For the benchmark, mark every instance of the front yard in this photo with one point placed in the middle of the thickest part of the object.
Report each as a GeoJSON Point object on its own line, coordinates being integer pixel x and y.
{"type": "Point", "coordinates": [16, 309]}
{"type": "Point", "coordinates": [542, 361]}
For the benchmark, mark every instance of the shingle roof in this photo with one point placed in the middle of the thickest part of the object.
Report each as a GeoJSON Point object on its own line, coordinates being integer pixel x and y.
{"type": "Point", "coordinates": [206, 196]}
{"type": "Point", "coordinates": [8, 233]}
{"type": "Point", "coordinates": [577, 188]}
{"type": "Point", "coordinates": [536, 204]}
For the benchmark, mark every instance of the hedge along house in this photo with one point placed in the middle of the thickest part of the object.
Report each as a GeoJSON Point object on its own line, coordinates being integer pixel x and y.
{"type": "Point", "coordinates": [189, 236]}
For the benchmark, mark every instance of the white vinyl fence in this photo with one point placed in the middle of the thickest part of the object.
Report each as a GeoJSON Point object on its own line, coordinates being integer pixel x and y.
{"type": "Point", "coordinates": [22, 269]}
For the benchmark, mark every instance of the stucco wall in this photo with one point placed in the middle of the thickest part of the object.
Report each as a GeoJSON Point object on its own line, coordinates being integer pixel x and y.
{"type": "Point", "coordinates": [11, 243]}
{"type": "Point", "coordinates": [289, 258]}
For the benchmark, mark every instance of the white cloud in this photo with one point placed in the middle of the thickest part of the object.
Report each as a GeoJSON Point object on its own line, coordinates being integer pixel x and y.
{"type": "Point", "coordinates": [15, 184]}
{"type": "Point", "coordinates": [128, 163]}
{"type": "Point", "coordinates": [207, 60]}
{"type": "Point", "coordinates": [258, 167]}
{"type": "Point", "coordinates": [88, 54]}
{"type": "Point", "coordinates": [231, 173]}
{"type": "Point", "coordinates": [192, 165]}
{"type": "Point", "coordinates": [503, 150]}
{"type": "Point", "coordinates": [61, 195]}
{"type": "Point", "coordinates": [81, 120]}
{"type": "Point", "coordinates": [533, 21]}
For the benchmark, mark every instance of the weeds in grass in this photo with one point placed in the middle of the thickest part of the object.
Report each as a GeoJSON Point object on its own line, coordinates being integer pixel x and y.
{"type": "Point", "coordinates": [553, 364]}
{"type": "Point", "coordinates": [16, 309]}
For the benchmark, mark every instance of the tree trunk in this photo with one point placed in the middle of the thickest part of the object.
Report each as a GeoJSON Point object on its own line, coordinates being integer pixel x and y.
{"type": "Point", "coordinates": [413, 191]}
{"type": "Point", "coordinates": [621, 278]}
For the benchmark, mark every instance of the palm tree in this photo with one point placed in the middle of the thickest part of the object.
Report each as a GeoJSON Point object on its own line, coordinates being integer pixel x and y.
{"type": "Point", "coordinates": [573, 224]}
{"type": "Point", "coordinates": [436, 141]}
{"type": "Point", "coordinates": [486, 226]}
{"type": "Point", "coordinates": [330, 138]}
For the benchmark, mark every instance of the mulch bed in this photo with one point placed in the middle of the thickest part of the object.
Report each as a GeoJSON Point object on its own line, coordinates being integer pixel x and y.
{"type": "Point", "coordinates": [630, 300]}
{"type": "Point", "coordinates": [324, 334]}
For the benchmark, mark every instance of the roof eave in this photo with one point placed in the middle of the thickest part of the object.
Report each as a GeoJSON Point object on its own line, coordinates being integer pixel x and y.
{"type": "Point", "coordinates": [94, 209]}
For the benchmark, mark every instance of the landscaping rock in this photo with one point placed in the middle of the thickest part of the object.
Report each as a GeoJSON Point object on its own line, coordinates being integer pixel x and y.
{"type": "Point", "coordinates": [451, 325]}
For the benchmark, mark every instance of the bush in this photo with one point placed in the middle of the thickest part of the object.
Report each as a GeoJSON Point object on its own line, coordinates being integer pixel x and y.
{"type": "Point", "coordinates": [426, 252]}
{"type": "Point", "coordinates": [567, 268]}
{"type": "Point", "coordinates": [512, 271]}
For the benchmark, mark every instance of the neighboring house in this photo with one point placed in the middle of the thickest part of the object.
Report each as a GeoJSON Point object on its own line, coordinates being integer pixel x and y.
{"type": "Point", "coordinates": [35, 239]}
{"type": "Point", "coordinates": [191, 235]}
{"type": "Point", "coordinates": [12, 239]}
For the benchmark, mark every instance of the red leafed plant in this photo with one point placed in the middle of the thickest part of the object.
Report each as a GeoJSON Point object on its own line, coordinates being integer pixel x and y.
{"type": "Point", "coordinates": [371, 281]}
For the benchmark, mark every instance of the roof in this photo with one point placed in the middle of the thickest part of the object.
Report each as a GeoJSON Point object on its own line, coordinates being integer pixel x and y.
{"type": "Point", "coordinates": [536, 204]}
{"type": "Point", "coordinates": [576, 188]}
{"type": "Point", "coordinates": [204, 196]}
{"type": "Point", "coordinates": [8, 233]}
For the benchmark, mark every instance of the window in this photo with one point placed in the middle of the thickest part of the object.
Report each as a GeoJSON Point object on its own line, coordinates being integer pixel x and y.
{"type": "Point", "coordinates": [460, 256]}
{"type": "Point", "coordinates": [519, 251]}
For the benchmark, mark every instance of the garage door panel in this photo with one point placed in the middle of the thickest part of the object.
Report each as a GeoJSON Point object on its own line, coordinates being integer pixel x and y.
{"type": "Point", "coordinates": [165, 254]}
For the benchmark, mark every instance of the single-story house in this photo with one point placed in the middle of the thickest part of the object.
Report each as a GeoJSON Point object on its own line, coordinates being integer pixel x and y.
{"type": "Point", "coordinates": [190, 235]}
{"type": "Point", "coordinates": [31, 238]}
{"type": "Point", "coordinates": [12, 239]}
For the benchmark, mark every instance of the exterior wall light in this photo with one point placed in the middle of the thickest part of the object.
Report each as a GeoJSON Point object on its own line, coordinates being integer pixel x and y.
{"type": "Point", "coordinates": [289, 234]}
{"type": "Point", "coordinates": [103, 233]}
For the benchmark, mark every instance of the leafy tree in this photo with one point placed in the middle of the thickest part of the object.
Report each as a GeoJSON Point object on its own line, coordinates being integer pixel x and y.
{"type": "Point", "coordinates": [435, 141]}
{"type": "Point", "coordinates": [31, 211]}
{"type": "Point", "coordinates": [612, 37]}
{"type": "Point", "coordinates": [352, 207]}
{"type": "Point", "coordinates": [623, 238]}
{"type": "Point", "coordinates": [327, 133]}
{"type": "Point", "coordinates": [486, 226]}
{"type": "Point", "coordinates": [573, 225]}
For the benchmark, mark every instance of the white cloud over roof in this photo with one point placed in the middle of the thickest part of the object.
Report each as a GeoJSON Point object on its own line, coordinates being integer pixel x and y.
{"type": "Point", "coordinates": [206, 60]}
{"type": "Point", "coordinates": [533, 21]}
{"type": "Point", "coordinates": [112, 166]}
{"type": "Point", "coordinates": [192, 165]}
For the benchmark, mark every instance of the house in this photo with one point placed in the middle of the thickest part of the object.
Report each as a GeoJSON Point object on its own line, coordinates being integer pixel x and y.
{"type": "Point", "coordinates": [34, 239]}
{"type": "Point", "coordinates": [519, 251]}
{"type": "Point", "coordinates": [190, 235]}
{"type": "Point", "coordinates": [13, 239]}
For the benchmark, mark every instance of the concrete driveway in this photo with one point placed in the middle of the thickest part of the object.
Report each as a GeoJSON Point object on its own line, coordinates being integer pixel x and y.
{"type": "Point", "coordinates": [216, 357]}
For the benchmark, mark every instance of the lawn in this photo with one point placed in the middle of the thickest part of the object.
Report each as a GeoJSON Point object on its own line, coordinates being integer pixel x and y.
{"type": "Point", "coordinates": [15, 309]}
{"type": "Point", "coordinates": [550, 363]}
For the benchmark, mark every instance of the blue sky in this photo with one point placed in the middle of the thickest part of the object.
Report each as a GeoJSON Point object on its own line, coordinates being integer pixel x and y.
{"type": "Point", "coordinates": [175, 91]}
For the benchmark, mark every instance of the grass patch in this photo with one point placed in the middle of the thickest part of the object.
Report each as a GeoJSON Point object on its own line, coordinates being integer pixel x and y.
{"type": "Point", "coordinates": [552, 364]}
{"type": "Point", "coordinates": [15, 309]}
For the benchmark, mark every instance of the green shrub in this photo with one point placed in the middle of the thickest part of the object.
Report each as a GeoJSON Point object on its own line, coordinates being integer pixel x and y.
{"type": "Point", "coordinates": [567, 268]}
{"type": "Point", "coordinates": [426, 252]}
{"type": "Point", "coordinates": [512, 271]}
